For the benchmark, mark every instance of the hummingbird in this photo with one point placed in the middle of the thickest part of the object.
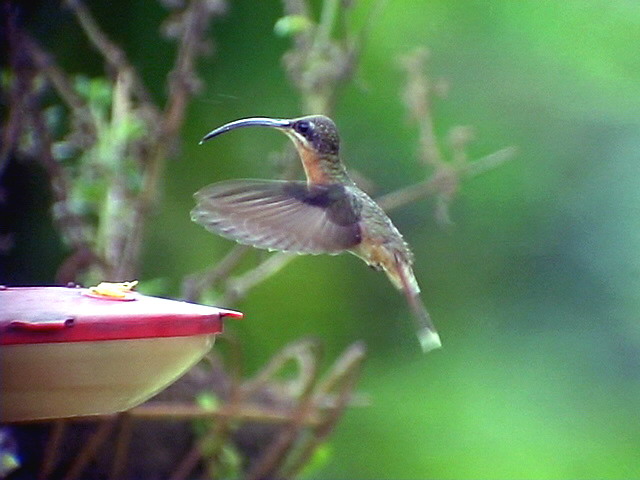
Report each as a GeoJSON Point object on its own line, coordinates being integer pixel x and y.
{"type": "Point", "coordinates": [326, 214]}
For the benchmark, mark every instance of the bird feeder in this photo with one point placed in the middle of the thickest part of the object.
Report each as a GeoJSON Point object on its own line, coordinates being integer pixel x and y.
{"type": "Point", "coordinates": [73, 351]}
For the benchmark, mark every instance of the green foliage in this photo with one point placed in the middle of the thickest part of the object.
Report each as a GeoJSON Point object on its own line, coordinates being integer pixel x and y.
{"type": "Point", "coordinates": [97, 92]}
{"type": "Point", "coordinates": [8, 462]}
{"type": "Point", "coordinates": [227, 462]}
{"type": "Point", "coordinates": [289, 25]}
{"type": "Point", "coordinates": [320, 458]}
{"type": "Point", "coordinates": [106, 171]}
{"type": "Point", "coordinates": [208, 401]}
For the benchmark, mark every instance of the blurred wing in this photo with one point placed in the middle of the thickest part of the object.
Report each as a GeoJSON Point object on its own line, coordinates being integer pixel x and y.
{"type": "Point", "coordinates": [279, 215]}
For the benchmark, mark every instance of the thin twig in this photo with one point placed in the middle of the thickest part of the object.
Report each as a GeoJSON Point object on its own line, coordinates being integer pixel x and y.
{"type": "Point", "coordinates": [115, 220]}
{"type": "Point", "coordinates": [446, 174]}
{"type": "Point", "coordinates": [113, 54]}
{"type": "Point", "coordinates": [122, 446]}
{"type": "Point", "coordinates": [73, 226]}
{"type": "Point", "coordinates": [216, 437]}
{"type": "Point", "coordinates": [246, 412]}
{"type": "Point", "coordinates": [298, 8]}
{"type": "Point", "coordinates": [238, 287]}
{"type": "Point", "coordinates": [275, 454]}
{"type": "Point", "coordinates": [325, 26]}
{"type": "Point", "coordinates": [417, 96]}
{"type": "Point", "coordinates": [342, 377]}
{"type": "Point", "coordinates": [188, 463]}
{"type": "Point", "coordinates": [181, 87]}
{"type": "Point", "coordinates": [195, 284]}
{"type": "Point", "coordinates": [90, 449]}
{"type": "Point", "coordinates": [52, 449]}
{"type": "Point", "coordinates": [489, 162]}
{"type": "Point", "coordinates": [14, 123]}
{"type": "Point", "coordinates": [307, 354]}
{"type": "Point", "coordinates": [220, 430]}
{"type": "Point", "coordinates": [406, 195]}
{"type": "Point", "coordinates": [62, 84]}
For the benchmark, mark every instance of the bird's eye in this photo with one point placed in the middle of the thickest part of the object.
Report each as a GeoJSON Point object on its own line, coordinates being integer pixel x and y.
{"type": "Point", "coordinates": [303, 127]}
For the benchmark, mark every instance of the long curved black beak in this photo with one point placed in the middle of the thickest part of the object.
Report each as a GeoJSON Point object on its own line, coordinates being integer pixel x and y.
{"type": "Point", "coordinates": [247, 122]}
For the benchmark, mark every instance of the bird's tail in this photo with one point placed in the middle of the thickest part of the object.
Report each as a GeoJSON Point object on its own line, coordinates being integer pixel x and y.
{"type": "Point", "coordinates": [426, 331]}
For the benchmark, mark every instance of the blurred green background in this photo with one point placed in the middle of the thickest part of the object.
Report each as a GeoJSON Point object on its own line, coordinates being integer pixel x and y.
{"type": "Point", "coordinates": [534, 290]}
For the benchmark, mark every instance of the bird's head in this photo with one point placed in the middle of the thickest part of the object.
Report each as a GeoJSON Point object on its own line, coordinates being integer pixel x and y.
{"type": "Point", "coordinates": [315, 133]}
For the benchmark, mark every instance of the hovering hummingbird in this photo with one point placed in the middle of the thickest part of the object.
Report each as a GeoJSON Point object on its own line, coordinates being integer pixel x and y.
{"type": "Point", "coordinates": [326, 214]}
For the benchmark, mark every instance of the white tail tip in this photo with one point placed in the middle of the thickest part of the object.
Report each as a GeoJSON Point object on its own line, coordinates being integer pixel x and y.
{"type": "Point", "coordinates": [429, 340]}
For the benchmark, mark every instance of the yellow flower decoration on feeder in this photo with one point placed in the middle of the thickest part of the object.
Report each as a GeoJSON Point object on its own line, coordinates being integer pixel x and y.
{"type": "Point", "coordinates": [116, 291]}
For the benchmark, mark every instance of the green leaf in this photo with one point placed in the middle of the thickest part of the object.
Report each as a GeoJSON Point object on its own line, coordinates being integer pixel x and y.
{"type": "Point", "coordinates": [207, 400]}
{"type": "Point", "coordinates": [318, 460]}
{"type": "Point", "coordinates": [292, 24]}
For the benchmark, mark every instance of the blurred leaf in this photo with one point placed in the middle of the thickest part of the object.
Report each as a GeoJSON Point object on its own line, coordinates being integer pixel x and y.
{"type": "Point", "coordinates": [290, 25]}
{"type": "Point", "coordinates": [321, 456]}
{"type": "Point", "coordinates": [97, 91]}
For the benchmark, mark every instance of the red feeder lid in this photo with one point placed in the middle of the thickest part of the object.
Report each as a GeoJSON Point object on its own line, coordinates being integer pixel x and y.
{"type": "Point", "coordinates": [69, 314]}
